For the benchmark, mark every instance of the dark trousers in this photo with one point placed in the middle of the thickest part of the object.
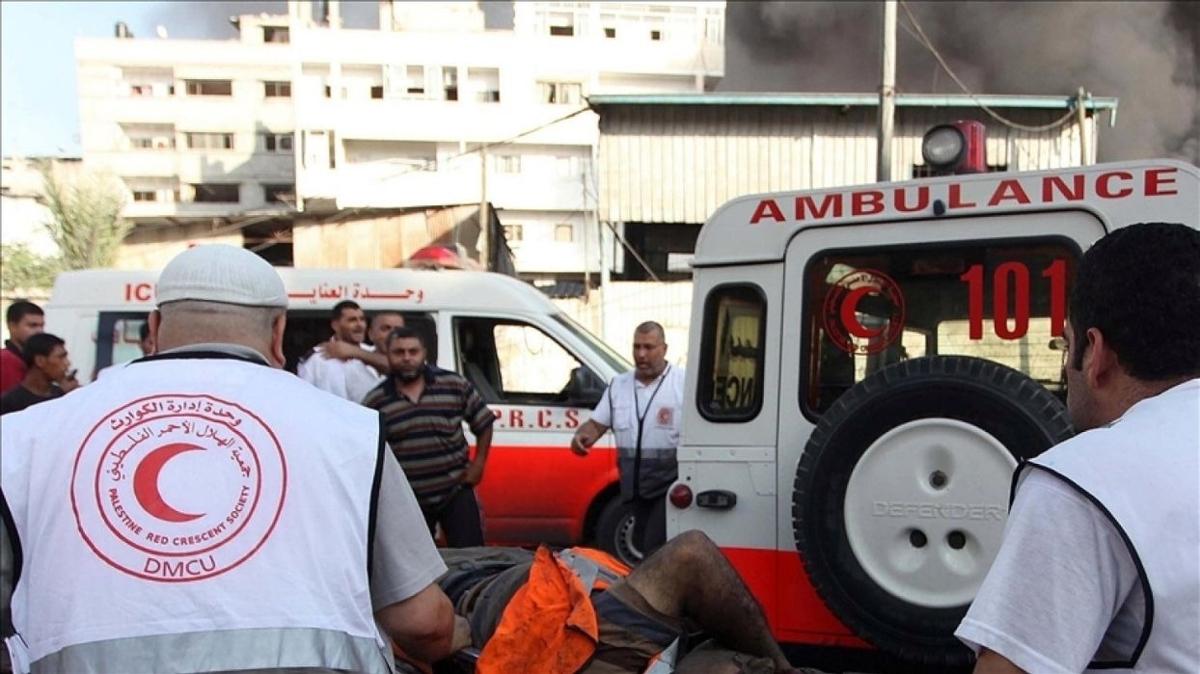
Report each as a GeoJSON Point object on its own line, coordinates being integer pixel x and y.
{"type": "Point", "coordinates": [459, 517]}
{"type": "Point", "coordinates": [650, 527]}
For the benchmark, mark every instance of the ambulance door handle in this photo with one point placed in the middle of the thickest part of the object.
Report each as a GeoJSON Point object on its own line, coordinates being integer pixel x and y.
{"type": "Point", "coordinates": [717, 499]}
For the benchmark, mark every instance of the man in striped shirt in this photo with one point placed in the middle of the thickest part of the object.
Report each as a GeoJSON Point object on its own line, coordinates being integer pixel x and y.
{"type": "Point", "coordinates": [423, 410]}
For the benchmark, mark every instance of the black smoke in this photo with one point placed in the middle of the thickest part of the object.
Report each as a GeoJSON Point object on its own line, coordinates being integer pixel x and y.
{"type": "Point", "coordinates": [1145, 53]}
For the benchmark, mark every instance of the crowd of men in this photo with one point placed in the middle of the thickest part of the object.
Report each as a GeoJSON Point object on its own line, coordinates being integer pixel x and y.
{"type": "Point", "coordinates": [301, 538]}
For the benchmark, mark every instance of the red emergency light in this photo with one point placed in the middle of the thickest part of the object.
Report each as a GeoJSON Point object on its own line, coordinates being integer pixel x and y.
{"type": "Point", "coordinates": [956, 148]}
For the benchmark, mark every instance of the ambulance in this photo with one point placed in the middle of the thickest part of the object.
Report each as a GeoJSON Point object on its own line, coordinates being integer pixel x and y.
{"type": "Point", "coordinates": [868, 366]}
{"type": "Point", "coordinates": [538, 370]}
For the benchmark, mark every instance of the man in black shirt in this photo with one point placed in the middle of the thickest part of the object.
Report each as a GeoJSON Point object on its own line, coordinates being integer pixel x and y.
{"type": "Point", "coordinates": [47, 365]}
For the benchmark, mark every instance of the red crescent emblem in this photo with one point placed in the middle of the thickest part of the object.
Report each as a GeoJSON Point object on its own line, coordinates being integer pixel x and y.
{"type": "Point", "coordinates": [145, 482]}
{"type": "Point", "coordinates": [850, 320]}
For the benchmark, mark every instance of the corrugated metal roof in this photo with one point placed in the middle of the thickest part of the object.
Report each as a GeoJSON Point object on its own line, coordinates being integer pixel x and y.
{"type": "Point", "coordinates": [871, 100]}
{"type": "Point", "coordinates": [676, 164]}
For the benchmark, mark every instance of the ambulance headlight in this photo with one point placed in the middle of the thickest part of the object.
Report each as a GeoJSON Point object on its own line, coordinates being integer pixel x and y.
{"type": "Point", "coordinates": [942, 146]}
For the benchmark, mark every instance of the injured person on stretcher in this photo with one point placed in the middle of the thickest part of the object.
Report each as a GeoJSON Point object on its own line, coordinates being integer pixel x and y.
{"type": "Point", "coordinates": [580, 610]}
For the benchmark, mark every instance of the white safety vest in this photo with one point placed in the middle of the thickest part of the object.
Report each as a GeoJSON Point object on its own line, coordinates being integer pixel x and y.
{"type": "Point", "coordinates": [646, 422]}
{"type": "Point", "coordinates": [193, 495]}
{"type": "Point", "coordinates": [1141, 471]}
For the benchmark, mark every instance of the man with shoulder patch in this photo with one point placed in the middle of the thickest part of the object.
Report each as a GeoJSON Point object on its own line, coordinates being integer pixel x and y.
{"type": "Point", "coordinates": [424, 409]}
{"type": "Point", "coordinates": [202, 510]}
{"type": "Point", "coordinates": [1099, 568]}
{"type": "Point", "coordinates": [644, 408]}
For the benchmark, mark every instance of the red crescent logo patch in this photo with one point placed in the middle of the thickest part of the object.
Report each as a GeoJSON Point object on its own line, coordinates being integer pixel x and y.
{"type": "Point", "coordinates": [864, 312]}
{"type": "Point", "coordinates": [178, 488]}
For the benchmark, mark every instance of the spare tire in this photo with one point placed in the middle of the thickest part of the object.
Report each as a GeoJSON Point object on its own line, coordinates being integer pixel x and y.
{"type": "Point", "coordinates": [902, 492]}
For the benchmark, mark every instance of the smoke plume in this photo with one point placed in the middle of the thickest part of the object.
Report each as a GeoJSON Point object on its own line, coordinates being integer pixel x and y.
{"type": "Point", "coordinates": [1145, 53]}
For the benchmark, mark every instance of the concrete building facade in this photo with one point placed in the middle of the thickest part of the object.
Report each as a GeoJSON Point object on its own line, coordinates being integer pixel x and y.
{"type": "Point", "coordinates": [299, 119]}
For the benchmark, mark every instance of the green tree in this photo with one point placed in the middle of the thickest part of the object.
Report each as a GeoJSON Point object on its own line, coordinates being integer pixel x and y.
{"type": "Point", "coordinates": [22, 269]}
{"type": "Point", "coordinates": [85, 217]}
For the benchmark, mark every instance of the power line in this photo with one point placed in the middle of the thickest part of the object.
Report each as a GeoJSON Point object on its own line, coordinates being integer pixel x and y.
{"type": "Point", "coordinates": [924, 40]}
{"type": "Point", "coordinates": [485, 146]}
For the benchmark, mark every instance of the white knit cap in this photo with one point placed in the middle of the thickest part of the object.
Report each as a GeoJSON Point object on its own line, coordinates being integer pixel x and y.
{"type": "Point", "coordinates": [221, 273]}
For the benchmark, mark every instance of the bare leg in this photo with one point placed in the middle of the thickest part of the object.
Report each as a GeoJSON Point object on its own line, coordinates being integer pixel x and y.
{"type": "Point", "coordinates": [690, 578]}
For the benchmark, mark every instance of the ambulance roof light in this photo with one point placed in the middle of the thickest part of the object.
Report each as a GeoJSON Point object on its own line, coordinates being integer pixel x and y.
{"type": "Point", "coordinates": [956, 148]}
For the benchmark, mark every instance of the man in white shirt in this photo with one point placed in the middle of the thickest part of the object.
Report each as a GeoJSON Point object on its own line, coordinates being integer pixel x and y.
{"type": "Point", "coordinates": [1100, 564]}
{"type": "Point", "coordinates": [349, 378]}
{"type": "Point", "coordinates": [644, 409]}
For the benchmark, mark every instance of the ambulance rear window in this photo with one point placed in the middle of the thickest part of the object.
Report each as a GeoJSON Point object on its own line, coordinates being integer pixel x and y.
{"type": "Point", "coordinates": [1003, 301]}
{"type": "Point", "coordinates": [731, 358]}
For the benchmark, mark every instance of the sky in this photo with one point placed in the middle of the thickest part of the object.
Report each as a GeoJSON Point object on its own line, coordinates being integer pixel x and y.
{"type": "Point", "coordinates": [998, 47]}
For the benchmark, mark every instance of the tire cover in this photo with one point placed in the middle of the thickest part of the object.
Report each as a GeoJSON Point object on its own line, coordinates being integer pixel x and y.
{"type": "Point", "coordinates": [954, 419]}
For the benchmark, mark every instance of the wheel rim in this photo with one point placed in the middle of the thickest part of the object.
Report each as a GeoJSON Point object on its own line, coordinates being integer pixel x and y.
{"type": "Point", "coordinates": [925, 509]}
{"type": "Point", "coordinates": [626, 550]}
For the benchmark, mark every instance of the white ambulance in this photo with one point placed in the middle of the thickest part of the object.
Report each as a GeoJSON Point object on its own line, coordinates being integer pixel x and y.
{"type": "Point", "coordinates": [539, 371]}
{"type": "Point", "coordinates": [869, 365]}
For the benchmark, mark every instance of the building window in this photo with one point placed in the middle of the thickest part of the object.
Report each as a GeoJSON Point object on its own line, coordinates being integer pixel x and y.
{"type": "Point", "coordinates": [209, 141]}
{"type": "Point", "coordinates": [514, 233]}
{"type": "Point", "coordinates": [564, 232]}
{"type": "Point", "coordinates": [328, 91]}
{"type": "Point", "coordinates": [277, 142]}
{"type": "Point", "coordinates": [507, 163]}
{"type": "Point", "coordinates": [561, 92]}
{"type": "Point", "coordinates": [141, 90]}
{"type": "Point", "coordinates": [141, 143]}
{"type": "Point", "coordinates": [610, 32]}
{"type": "Point", "coordinates": [566, 167]}
{"type": "Point", "coordinates": [562, 31]}
{"type": "Point", "coordinates": [450, 82]}
{"type": "Point", "coordinates": [216, 193]}
{"type": "Point", "coordinates": [377, 91]}
{"type": "Point", "coordinates": [656, 35]}
{"type": "Point", "coordinates": [276, 35]}
{"type": "Point", "coordinates": [208, 87]}
{"type": "Point", "coordinates": [145, 195]}
{"type": "Point", "coordinates": [277, 89]}
{"type": "Point", "coordinates": [416, 81]}
{"type": "Point", "coordinates": [279, 194]}
{"type": "Point", "coordinates": [485, 82]}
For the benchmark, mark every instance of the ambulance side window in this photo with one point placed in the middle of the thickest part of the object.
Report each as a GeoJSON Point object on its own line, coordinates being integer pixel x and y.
{"type": "Point", "coordinates": [118, 337]}
{"type": "Point", "coordinates": [517, 363]}
{"type": "Point", "coordinates": [731, 358]}
{"type": "Point", "coordinates": [867, 308]}
{"type": "Point", "coordinates": [306, 329]}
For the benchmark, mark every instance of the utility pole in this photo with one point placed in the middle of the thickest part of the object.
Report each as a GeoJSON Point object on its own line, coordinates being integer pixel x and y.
{"type": "Point", "coordinates": [887, 93]}
{"type": "Point", "coordinates": [485, 222]}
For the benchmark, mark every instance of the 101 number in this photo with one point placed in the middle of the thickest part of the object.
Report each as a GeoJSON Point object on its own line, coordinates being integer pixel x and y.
{"type": "Point", "coordinates": [1012, 278]}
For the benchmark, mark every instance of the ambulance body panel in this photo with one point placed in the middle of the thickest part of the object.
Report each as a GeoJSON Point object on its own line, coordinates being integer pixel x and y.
{"type": "Point", "coordinates": [540, 373]}
{"type": "Point", "coordinates": [808, 307]}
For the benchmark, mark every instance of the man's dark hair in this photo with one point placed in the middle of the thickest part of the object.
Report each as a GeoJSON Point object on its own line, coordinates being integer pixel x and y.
{"type": "Point", "coordinates": [651, 326]}
{"type": "Point", "coordinates": [1140, 287]}
{"type": "Point", "coordinates": [41, 344]}
{"type": "Point", "coordinates": [404, 333]}
{"type": "Point", "coordinates": [144, 331]}
{"type": "Point", "coordinates": [20, 309]}
{"type": "Point", "coordinates": [343, 306]}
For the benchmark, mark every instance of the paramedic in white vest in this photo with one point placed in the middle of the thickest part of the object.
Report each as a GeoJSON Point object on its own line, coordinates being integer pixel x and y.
{"type": "Point", "coordinates": [644, 409]}
{"type": "Point", "coordinates": [1099, 568]}
{"type": "Point", "coordinates": [203, 510]}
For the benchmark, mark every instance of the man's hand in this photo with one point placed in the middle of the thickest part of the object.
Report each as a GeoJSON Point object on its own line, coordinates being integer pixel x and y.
{"type": "Point", "coordinates": [339, 350]}
{"type": "Point", "coordinates": [473, 474]}
{"type": "Point", "coordinates": [586, 436]}
{"type": "Point", "coordinates": [68, 383]}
